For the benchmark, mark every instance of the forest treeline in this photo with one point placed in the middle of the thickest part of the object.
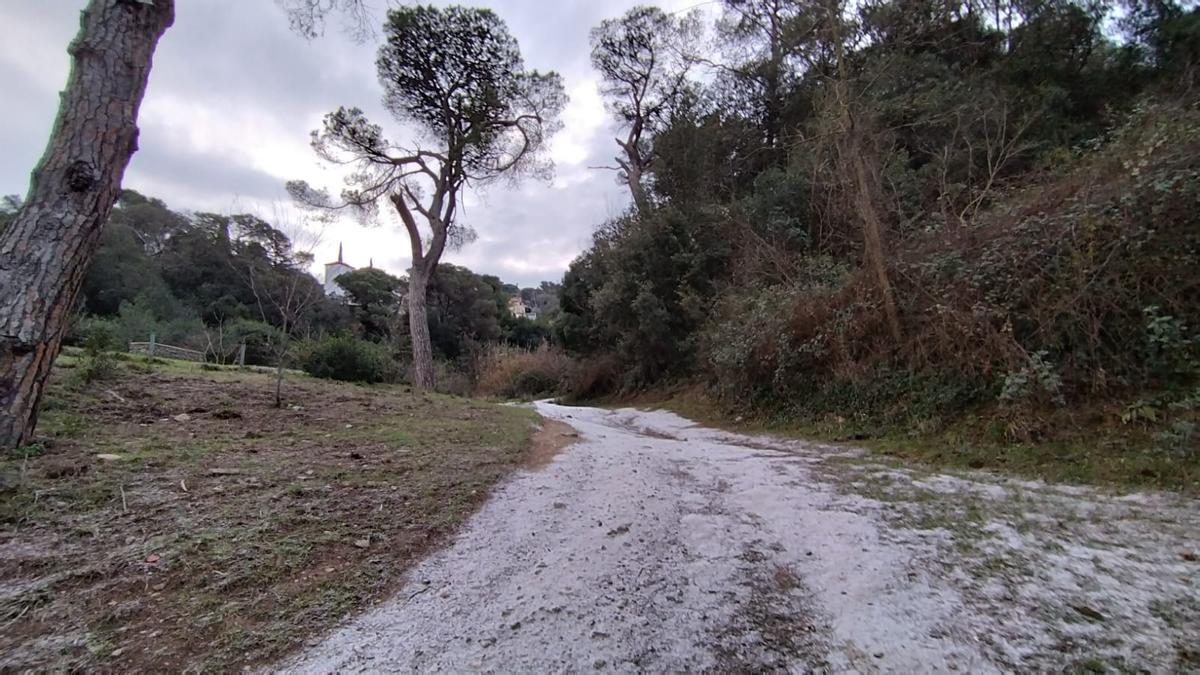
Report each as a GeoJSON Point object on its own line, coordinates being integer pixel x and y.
{"type": "Point", "coordinates": [213, 282]}
{"type": "Point", "coordinates": [890, 215]}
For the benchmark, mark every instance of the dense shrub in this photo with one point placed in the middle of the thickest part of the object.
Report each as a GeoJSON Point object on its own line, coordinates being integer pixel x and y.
{"type": "Point", "coordinates": [1074, 286]}
{"type": "Point", "coordinates": [594, 377]}
{"type": "Point", "coordinates": [349, 360]}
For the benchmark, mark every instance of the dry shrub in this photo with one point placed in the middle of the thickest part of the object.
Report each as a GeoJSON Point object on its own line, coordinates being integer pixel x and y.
{"type": "Point", "coordinates": [512, 372]}
{"type": "Point", "coordinates": [594, 378]}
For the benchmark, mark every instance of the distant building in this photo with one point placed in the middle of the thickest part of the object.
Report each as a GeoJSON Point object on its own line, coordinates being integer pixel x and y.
{"type": "Point", "coordinates": [334, 270]}
{"type": "Point", "coordinates": [520, 310]}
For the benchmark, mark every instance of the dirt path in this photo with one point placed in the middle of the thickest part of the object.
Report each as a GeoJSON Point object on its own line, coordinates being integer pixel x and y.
{"type": "Point", "coordinates": [654, 544]}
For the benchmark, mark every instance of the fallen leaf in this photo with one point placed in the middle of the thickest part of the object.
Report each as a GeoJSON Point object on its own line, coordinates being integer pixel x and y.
{"type": "Point", "coordinates": [153, 558]}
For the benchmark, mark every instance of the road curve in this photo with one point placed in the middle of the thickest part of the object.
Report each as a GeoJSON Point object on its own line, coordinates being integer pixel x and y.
{"type": "Point", "coordinates": [654, 544]}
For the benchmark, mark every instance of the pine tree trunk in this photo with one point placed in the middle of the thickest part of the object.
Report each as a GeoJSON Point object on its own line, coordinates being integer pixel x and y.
{"type": "Point", "coordinates": [46, 251]}
{"type": "Point", "coordinates": [640, 199]}
{"type": "Point", "coordinates": [418, 329]}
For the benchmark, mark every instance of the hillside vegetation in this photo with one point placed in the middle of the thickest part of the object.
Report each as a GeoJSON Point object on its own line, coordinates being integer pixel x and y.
{"type": "Point", "coordinates": [975, 231]}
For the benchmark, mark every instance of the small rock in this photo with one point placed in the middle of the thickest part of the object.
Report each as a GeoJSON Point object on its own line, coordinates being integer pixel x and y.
{"type": "Point", "coordinates": [878, 655]}
{"type": "Point", "coordinates": [117, 652]}
{"type": "Point", "coordinates": [362, 543]}
{"type": "Point", "coordinates": [182, 417]}
{"type": "Point", "coordinates": [1090, 613]}
{"type": "Point", "coordinates": [109, 458]}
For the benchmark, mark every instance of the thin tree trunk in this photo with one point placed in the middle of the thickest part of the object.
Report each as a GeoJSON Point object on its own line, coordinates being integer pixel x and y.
{"type": "Point", "coordinates": [873, 244]}
{"type": "Point", "coordinates": [418, 328]}
{"type": "Point", "coordinates": [283, 350]}
{"type": "Point", "coordinates": [45, 252]}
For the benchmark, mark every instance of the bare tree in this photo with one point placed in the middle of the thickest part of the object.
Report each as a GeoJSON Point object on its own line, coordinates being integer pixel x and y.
{"type": "Point", "coordinates": [457, 75]}
{"type": "Point", "coordinates": [283, 290]}
{"type": "Point", "coordinates": [857, 159]}
{"type": "Point", "coordinates": [308, 17]}
{"type": "Point", "coordinates": [643, 58]}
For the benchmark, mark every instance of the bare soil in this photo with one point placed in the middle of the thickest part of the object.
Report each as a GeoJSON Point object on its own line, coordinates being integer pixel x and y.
{"type": "Point", "coordinates": [173, 519]}
{"type": "Point", "coordinates": [549, 439]}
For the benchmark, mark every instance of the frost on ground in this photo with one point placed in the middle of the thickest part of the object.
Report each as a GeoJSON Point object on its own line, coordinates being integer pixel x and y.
{"type": "Point", "coordinates": [656, 544]}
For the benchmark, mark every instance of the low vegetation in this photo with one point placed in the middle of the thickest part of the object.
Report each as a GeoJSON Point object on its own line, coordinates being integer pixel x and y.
{"type": "Point", "coordinates": [170, 518]}
{"type": "Point", "coordinates": [512, 372]}
{"type": "Point", "coordinates": [970, 239]}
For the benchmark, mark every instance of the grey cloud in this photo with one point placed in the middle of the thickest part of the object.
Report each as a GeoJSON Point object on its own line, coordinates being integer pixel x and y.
{"type": "Point", "coordinates": [239, 56]}
{"type": "Point", "coordinates": [212, 179]}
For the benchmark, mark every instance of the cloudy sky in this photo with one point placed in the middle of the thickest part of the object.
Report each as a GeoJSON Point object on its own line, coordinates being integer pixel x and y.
{"type": "Point", "coordinates": [234, 94]}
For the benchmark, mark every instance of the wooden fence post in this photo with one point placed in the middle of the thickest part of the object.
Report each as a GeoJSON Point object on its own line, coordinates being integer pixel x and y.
{"type": "Point", "coordinates": [242, 355]}
{"type": "Point", "coordinates": [150, 347]}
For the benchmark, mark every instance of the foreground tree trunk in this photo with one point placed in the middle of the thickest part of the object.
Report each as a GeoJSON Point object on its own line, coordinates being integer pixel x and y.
{"type": "Point", "coordinates": [45, 252]}
{"type": "Point", "coordinates": [418, 330]}
{"type": "Point", "coordinates": [424, 262]}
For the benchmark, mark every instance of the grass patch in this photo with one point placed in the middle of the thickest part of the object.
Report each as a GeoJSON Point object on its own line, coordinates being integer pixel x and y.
{"type": "Point", "coordinates": [223, 531]}
{"type": "Point", "coordinates": [1084, 448]}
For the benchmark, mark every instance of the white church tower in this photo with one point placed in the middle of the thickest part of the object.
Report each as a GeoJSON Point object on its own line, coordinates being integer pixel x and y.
{"type": "Point", "coordinates": [334, 270]}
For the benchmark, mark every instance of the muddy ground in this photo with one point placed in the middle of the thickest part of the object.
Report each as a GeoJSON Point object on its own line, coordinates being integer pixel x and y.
{"type": "Point", "coordinates": [174, 519]}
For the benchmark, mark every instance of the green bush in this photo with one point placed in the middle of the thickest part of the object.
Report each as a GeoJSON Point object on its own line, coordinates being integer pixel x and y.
{"type": "Point", "coordinates": [349, 360]}
{"type": "Point", "coordinates": [99, 338]}
{"type": "Point", "coordinates": [100, 335]}
{"type": "Point", "coordinates": [261, 340]}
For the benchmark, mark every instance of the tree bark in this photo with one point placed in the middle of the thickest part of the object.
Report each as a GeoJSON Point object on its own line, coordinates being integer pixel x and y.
{"type": "Point", "coordinates": [423, 265]}
{"type": "Point", "coordinates": [640, 199]}
{"type": "Point", "coordinates": [418, 330]}
{"type": "Point", "coordinates": [45, 252]}
{"type": "Point", "coordinates": [866, 193]}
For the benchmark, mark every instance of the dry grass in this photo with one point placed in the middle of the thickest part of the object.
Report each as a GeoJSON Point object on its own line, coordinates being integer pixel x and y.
{"type": "Point", "coordinates": [510, 372]}
{"type": "Point", "coordinates": [222, 539]}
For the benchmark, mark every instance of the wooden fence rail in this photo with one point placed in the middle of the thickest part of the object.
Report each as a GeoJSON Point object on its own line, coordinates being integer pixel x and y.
{"type": "Point", "coordinates": [167, 351]}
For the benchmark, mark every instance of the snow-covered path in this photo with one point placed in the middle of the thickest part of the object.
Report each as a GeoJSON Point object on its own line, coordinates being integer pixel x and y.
{"type": "Point", "coordinates": [657, 545]}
